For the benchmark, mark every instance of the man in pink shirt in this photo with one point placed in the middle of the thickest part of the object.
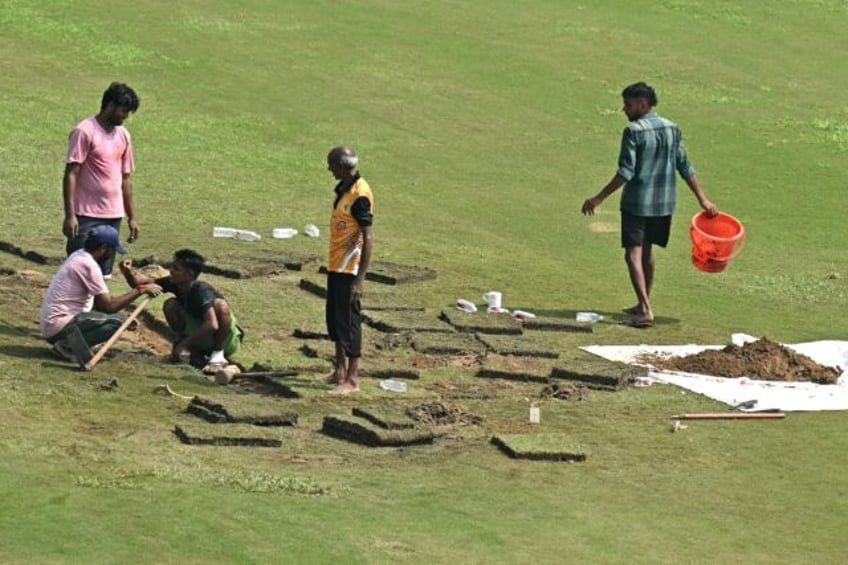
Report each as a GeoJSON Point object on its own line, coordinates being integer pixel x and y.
{"type": "Point", "coordinates": [97, 187]}
{"type": "Point", "coordinates": [78, 301]}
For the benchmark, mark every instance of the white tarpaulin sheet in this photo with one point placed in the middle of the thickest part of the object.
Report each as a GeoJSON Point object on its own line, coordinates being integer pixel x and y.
{"type": "Point", "coordinates": [769, 395]}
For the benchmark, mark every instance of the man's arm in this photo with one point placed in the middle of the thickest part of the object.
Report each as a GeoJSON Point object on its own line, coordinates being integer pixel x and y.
{"type": "Point", "coordinates": [110, 304]}
{"type": "Point", "coordinates": [129, 206]}
{"type": "Point", "coordinates": [70, 226]}
{"type": "Point", "coordinates": [364, 261]}
{"type": "Point", "coordinates": [133, 278]}
{"type": "Point", "coordinates": [591, 203]}
{"type": "Point", "coordinates": [710, 208]}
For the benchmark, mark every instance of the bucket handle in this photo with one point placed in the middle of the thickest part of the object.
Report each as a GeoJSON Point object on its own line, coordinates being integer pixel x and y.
{"type": "Point", "coordinates": [740, 244]}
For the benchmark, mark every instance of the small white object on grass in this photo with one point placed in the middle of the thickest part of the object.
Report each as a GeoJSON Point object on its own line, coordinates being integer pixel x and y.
{"type": "Point", "coordinates": [284, 233]}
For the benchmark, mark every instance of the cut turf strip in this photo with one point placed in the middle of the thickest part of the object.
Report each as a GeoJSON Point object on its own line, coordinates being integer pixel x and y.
{"type": "Point", "coordinates": [360, 431]}
{"type": "Point", "coordinates": [518, 346]}
{"type": "Point", "coordinates": [398, 322]}
{"type": "Point", "coordinates": [498, 324]}
{"type": "Point", "coordinates": [391, 373]}
{"type": "Point", "coordinates": [230, 434]}
{"type": "Point", "coordinates": [383, 418]}
{"type": "Point", "coordinates": [557, 325]}
{"type": "Point", "coordinates": [599, 374]}
{"type": "Point", "coordinates": [539, 447]}
{"type": "Point", "coordinates": [241, 409]}
{"type": "Point", "coordinates": [447, 344]}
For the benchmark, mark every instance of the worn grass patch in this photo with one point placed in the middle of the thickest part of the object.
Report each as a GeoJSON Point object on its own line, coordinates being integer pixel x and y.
{"type": "Point", "coordinates": [499, 324]}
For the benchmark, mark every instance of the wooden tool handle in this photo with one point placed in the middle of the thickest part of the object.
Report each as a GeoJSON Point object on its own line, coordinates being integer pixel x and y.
{"type": "Point", "coordinates": [105, 347]}
{"type": "Point", "coordinates": [730, 416]}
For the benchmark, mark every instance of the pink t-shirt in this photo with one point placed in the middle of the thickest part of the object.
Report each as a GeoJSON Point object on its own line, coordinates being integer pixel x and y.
{"type": "Point", "coordinates": [105, 157]}
{"type": "Point", "coordinates": [71, 291]}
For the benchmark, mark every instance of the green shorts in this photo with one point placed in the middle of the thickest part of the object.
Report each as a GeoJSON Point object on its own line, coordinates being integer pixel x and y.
{"type": "Point", "coordinates": [231, 345]}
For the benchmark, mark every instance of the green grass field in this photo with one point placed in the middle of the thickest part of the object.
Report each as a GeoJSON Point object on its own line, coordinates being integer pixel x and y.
{"type": "Point", "coordinates": [482, 127]}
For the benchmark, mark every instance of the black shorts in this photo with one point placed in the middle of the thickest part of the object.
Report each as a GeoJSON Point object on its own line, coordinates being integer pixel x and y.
{"type": "Point", "coordinates": [344, 316]}
{"type": "Point", "coordinates": [637, 231]}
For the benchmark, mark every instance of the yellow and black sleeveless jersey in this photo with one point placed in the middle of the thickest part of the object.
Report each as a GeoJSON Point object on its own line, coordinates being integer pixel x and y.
{"type": "Point", "coordinates": [345, 233]}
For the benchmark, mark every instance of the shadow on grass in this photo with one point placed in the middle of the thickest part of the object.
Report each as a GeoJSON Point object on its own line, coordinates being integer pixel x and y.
{"type": "Point", "coordinates": [609, 317]}
{"type": "Point", "coordinates": [6, 329]}
{"type": "Point", "coordinates": [35, 352]}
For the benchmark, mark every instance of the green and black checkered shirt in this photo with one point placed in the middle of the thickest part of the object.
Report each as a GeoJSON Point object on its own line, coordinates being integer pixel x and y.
{"type": "Point", "coordinates": [651, 150]}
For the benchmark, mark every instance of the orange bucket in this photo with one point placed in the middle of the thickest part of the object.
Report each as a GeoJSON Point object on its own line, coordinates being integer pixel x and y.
{"type": "Point", "coordinates": [715, 241]}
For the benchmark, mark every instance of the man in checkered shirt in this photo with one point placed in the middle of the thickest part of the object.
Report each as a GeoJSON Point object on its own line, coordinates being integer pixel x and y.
{"type": "Point", "coordinates": [652, 152]}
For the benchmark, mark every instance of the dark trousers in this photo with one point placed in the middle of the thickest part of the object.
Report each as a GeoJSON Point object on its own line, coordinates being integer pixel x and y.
{"type": "Point", "coordinates": [344, 315]}
{"type": "Point", "coordinates": [86, 223]}
{"type": "Point", "coordinates": [95, 327]}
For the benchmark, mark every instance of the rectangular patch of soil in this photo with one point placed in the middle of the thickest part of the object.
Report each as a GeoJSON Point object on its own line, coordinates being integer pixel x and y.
{"type": "Point", "coordinates": [481, 322]}
{"type": "Point", "coordinates": [398, 322]}
{"type": "Point", "coordinates": [242, 409]}
{"type": "Point", "coordinates": [314, 287]}
{"type": "Point", "coordinates": [385, 418]}
{"type": "Point", "coordinates": [598, 373]}
{"type": "Point", "coordinates": [229, 434]}
{"type": "Point", "coordinates": [447, 344]}
{"type": "Point", "coordinates": [247, 266]}
{"type": "Point", "coordinates": [390, 373]}
{"type": "Point", "coordinates": [519, 346]}
{"type": "Point", "coordinates": [360, 431]}
{"type": "Point", "coordinates": [394, 274]}
{"type": "Point", "coordinates": [32, 256]}
{"type": "Point", "coordinates": [302, 333]}
{"type": "Point", "coordinates": [521, 369]}
{"type": "Point", "coordinates": [557, 325]}
{"type": "Point", "coordinates": [539, 447]}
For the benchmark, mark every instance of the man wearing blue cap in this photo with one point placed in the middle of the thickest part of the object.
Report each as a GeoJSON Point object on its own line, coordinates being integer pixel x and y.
{"type": "Point", "coordinates": [78, 301]}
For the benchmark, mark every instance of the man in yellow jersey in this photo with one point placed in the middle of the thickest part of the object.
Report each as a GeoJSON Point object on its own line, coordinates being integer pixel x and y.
{"type": "Point", "coordinates": [351, 242]}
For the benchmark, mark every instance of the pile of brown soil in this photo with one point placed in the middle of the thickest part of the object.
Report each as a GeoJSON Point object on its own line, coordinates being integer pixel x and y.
{"type": "Point", "coordinates": [760, 360]}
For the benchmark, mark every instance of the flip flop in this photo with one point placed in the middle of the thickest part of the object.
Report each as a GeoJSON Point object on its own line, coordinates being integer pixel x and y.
{"type": "Point", "coordinates": [633, 310]}
{"type": "Point", "coordinates": [638, 322]}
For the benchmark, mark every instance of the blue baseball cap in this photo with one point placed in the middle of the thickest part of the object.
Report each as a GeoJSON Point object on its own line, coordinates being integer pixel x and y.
{"type": "Point", "coordinates": [105, 234]}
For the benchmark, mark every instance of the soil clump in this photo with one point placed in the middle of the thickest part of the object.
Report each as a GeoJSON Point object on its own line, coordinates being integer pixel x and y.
{"type": "Point", "coordinates": [759, 360]}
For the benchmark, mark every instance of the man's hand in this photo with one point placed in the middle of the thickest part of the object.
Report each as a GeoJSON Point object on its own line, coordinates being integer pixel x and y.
{"type": "Point", "coordinates": [70, 227]}
{"type": "Point", "coordinates": [356, 289]}
{"type": "Point", "coordinates": [590, 204]}
{"type": "Point", "coordinates": [710, 208]}
{"type": "Point", "coordinates": [151, 289]}
{"type": "Point", "coordinates": [133, 225]}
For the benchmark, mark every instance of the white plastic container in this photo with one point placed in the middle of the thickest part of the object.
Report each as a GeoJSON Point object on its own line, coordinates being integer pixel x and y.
{"type": "Point", "coordinates": [223, 232]}
{"type": "Point", "coordinates": [232, 233]}
{"type": "Point", "coordinates": [535, 414]}
{"type": "Point", "coordinates": [247, 235]}
{"type": "Point", "coordinates": [311, 230]}
{"type": "Point", "coordinates": [284, 233]}
{"type": "Point", "coordinates": [393, 385]}
{"type": "Point", "coordinates": [590, 317]}
{"type": "Point", "coordinates": [465, 305]}
{"type": "Point", "coordinates": [522, 315]}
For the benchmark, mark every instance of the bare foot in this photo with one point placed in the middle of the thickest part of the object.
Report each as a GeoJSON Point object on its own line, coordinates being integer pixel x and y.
{"type": "Point", "coordinates": [346, 387]}
{"type": "Point", "coordinates": [337, 377]}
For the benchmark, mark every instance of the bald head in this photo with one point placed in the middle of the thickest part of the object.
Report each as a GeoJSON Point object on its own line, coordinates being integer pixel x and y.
{"type": "Point", "coordinates": [342, 161]}
{"type": "Point", "coordinates": [343, 156]}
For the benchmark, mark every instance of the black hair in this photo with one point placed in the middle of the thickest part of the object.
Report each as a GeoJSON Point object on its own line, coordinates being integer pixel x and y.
{"type": "Point", "coordinates": [190, 260]}
{"type": "Point", "coordinates": [121, 95]}
{"type": "Point", "coordinates": [641, 90]}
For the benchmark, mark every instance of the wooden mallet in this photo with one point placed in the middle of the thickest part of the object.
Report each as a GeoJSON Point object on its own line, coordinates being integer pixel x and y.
{"type": "Point", "coordinates": [89, 365]}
